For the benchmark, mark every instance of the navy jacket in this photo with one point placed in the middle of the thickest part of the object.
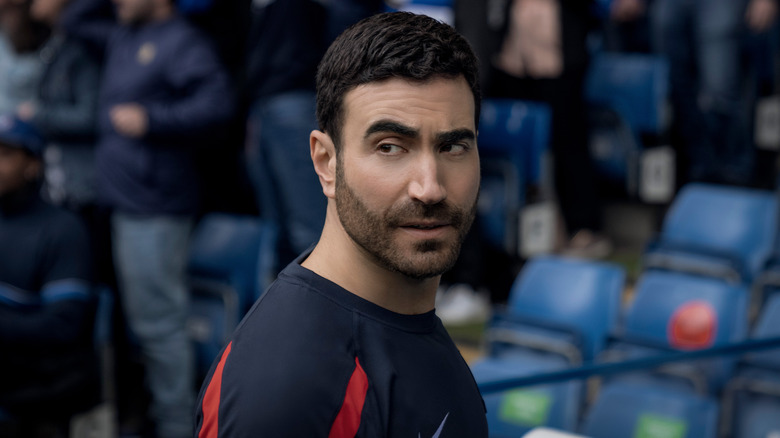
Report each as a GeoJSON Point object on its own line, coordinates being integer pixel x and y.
{"type": "Point", "coordinates": [46, 309]}
{"type": "Point", "coordinates": [172, 70]}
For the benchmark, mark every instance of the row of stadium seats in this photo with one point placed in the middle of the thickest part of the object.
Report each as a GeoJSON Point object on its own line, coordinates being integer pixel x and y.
{"type": "Point", "coordinates": [627, 96]}
{"type": "Point", "coordinates": [694, 293]}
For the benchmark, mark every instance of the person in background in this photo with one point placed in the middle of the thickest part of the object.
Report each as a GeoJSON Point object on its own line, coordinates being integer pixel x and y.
{"type": "Point", "coordinates": [46, 301]}
{"type": "Point", "coordinates": [21, 65]}
{"type": "Point", "coordinates": [346, 342]}
{"type": "Point", "coordinates": [703, 41]}
{"type": "Point", "coordinates": [64, 110]}
{"type": "Point", "coordinates": [542, 56]}
{"type": "Point", "coordinates": [164, 93]}
{"type": "Point", "coordinates": [286, 41]}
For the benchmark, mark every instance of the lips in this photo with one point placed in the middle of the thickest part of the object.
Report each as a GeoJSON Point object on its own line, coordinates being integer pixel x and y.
{"type": "Point", "coordinates": [425, 225]}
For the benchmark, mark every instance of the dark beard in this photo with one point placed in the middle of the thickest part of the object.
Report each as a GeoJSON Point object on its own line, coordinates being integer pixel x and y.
{"type": "Point", "coordinates": [372, 232]}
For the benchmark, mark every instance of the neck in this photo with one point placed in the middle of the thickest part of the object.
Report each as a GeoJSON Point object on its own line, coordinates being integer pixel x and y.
{"type": "Point", "coordinates": [337, 258]}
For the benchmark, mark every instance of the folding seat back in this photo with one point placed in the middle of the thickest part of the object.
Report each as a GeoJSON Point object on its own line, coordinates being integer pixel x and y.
{"type": "Point", "coordinates": [635, 86]}
{"type": "Point", "coordinates": [721, 231]}
{"type": "Point", "coordinates": [513, 146]}
{"type": "Point", "coordinates": [232, 258]}
{"type": "Point", "coordinates": [517, 131]}
{"type": "Point", "coordinates": [627, 95]}
{"type": "Point", "coordinates": [514, 412]}
{"type": "Point", "coordinates": [767, 326]}
{"type": "Point", "coordinates": [559, 313]}
{"type": "Point", "coordinates": [579, 297]}
{"type": "Point", "coordinates": [237, 250]}
{"type": "Point", "coordinates": [500, 201]}
{"type": "Point", "coordinates": [751, 402]}
{"type": "Point", "coordinates": [632, 409]}
{"type": "Point", "coordinates": [677, 311]}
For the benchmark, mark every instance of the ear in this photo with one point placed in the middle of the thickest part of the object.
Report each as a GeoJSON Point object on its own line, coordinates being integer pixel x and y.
{"type": "Point", "coordinates": [323, 155]}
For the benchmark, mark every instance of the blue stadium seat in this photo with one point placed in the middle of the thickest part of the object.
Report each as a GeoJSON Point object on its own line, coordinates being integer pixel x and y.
{"type": "Point", "coordinates": [517, 411]}
{"type": "Point", "coordinates": [634, 409]}
{"type": "Point", "coordinates": [719, 231]}
{"type": "Point", "coordinates": [501, 196]}
{"type": "Point", "coordinates": [513, 146]}
{"type": "Point", "coordinates": [237, 250]}
{"type": "Point", "coordinates": [517, 131]}
{"type": "Point", "coordinates": [555, 295]}
{"type": "Point", "coordinates": [627, 95]}
{"type": "Point", "coordinates": [767, 282]}
{"type": "Point", "coordinates": [751, 402]}
{"type": "Point", "coordinates": [678, 311]}
{"type": "Point", "coordinates": [559, 314]}
{"type": "Point", "coordinates": [635, 85]}
{"type": "Point", "coordinates": [231, 264]}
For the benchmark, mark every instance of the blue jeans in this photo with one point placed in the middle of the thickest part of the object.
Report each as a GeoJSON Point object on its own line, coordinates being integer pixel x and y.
{"type": "Point", "coordinates": [702, 40]}
{"type": "Point", "coordinates": [280, 167]}
{"type": "Point", "coordinates": [150, 253]}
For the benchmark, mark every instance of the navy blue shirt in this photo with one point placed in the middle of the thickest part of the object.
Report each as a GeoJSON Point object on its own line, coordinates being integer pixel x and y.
{"type": "Point", "coordinates": [312, 359]}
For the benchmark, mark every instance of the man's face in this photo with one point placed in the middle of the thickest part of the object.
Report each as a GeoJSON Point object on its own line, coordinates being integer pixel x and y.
{"type": "Point", "coordinates": [17, 169]}
{"type": "Point", "coordinates": [134, 11]}
{"type": "Point", "coordinates": [408, 173]}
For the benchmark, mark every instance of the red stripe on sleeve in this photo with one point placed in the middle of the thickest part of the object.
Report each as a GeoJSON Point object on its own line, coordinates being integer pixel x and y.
{"type": "Point", "coordinates": [210, 408]}
{"type": "Point", "coordinates": [348, 419]}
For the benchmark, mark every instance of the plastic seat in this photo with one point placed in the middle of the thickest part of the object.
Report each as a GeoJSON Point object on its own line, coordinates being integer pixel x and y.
{"type": "Point", "coordinates": [513, 145]}
{"type": "Point", "coordinates": [751, 402]}
{"type": "Point", "coordinates": [515, 412]}
{"type": "Point", "coordinates": [559, 314]}
{"type": "Point", "coordinates": [565, 301]}
{"type": "Point", "coordinates": [231, 264]}
{"type": "Point", "coordinates": [517, 131]}
{"type": "Point", "coordinates": [718, 231]}
{"type": "Point", "coordinates": [237, 250]}
{"type": "Point", "coordinates": [634, 409]}
{"type": "Point", "coordinates": [500, 201]}
{"type": "Point", "coordinates": [627, 95]}
{"type": "Point", "coordinates": [677, 311]}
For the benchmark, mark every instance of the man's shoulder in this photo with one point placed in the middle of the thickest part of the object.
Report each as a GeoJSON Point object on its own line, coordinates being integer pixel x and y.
{"type": "Point", "coordinates": [286, 368]}
{"type": "Point", "coordinates": [298, 307]}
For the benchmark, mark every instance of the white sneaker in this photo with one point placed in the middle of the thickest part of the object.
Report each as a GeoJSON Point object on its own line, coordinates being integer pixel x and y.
{"type": "Point", "coordinates": [460, 305]}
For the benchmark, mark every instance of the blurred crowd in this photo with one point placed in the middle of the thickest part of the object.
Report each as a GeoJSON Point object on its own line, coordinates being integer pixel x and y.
{"type": "Point", "coordinates": [154, 112]}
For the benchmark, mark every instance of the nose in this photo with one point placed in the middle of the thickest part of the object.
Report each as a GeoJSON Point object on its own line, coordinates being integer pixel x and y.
{"type": "Point", "coordinates": [426, 184]}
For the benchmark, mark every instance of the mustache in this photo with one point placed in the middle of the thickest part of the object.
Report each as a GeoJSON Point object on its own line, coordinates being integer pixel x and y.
{"type": "Point", "coordinates": [443, 211]}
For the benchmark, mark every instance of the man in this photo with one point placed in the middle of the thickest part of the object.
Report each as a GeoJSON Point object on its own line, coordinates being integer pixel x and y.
{"type": "Point", "coordinates": [46, 304]}
{"type": "Point", "coordinates": [346, 342]}
{"type": "Point", "coordinates": [704, 43]}
{"type": "Point", "coordinates": [163, 92]}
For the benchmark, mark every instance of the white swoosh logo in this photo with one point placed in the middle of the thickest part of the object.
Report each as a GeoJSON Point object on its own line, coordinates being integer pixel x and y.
{"type": "Point", "coordinates": [441, 426]}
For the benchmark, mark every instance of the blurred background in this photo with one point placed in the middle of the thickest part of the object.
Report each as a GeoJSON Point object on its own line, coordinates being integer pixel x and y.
{"type": "Point", "coordinates": [628, 212]}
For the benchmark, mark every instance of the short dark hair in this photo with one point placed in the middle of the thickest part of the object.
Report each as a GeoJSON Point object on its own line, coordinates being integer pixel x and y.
{"type": "Point", "coordinates": [390, 45]}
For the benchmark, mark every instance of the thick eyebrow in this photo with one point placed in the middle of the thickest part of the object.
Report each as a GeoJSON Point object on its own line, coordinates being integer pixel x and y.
{"type": "Point", "coordinates": [448, 137]}
{"type": "Point", "coordinates": [451, 137]}
{"type": "Point", "coordinates": [392, 127]}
